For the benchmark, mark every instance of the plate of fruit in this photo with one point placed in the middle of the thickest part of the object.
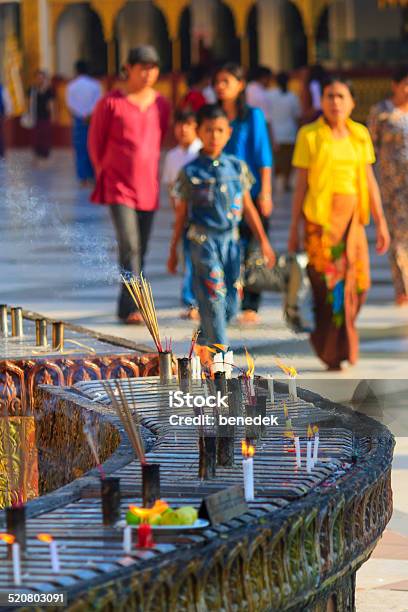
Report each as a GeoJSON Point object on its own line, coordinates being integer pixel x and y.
{"type": "Point", "coordinates": [162, 517]}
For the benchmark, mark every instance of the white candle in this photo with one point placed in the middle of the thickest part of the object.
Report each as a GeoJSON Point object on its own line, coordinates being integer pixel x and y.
{"type": "Point", "coordinates": [15, 552]}
{"type": "Point", "coordinates": [127, 539]}
{"type": "Point", "coordinates": [248, 468]}
{"type": "Point", "coordinates": [309, 463]}
{"type": "Point", "coordinates": [218, 363]}
{"type": "Point", "coordinates": [198, 367]}
{"type": "Point", "coordinates": [193, 368]}
{"type": "Point", "coordinates": [270, 389]}
{"type": "Point", "coordinates": [251, 387]}
{"type": "Point", "coordinates": [297, 450]}
{"type": "Point", "coordinates": [55, 563]}
{"type": "Point", "coordinates": [315, 449]}
{"type": "Point", "coordinates": [228, 363]}
{"type": "Point", "coordinates": [292, 387]}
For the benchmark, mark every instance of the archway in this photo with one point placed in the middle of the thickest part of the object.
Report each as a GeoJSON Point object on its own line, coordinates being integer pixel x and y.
{"type": "Point", "coordinates": [79, 35]}
{"type": "Point", "coordinates": [226, 45]}
{"type": "Point", "coordinates": [141, 23]}
{"type": "Point", "coordinates": [322, 37]}
{"type": "Point", "coordinates": [295, 40]}
{"type": "Point", "coordinates": [252, 33]}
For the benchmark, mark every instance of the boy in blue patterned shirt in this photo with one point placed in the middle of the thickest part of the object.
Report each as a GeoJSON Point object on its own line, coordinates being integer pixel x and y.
{"type": "Point", "coordinates": [213, 194]}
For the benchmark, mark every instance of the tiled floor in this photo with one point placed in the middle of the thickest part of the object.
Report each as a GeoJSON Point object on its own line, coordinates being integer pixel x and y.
{"type": "Point", "coordinates": [57, 256]}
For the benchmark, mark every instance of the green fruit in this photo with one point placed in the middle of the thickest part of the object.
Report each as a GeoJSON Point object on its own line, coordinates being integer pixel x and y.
{"type": "Point", "coordinates": [155, 519]}
{"type": "Point", "coordinates": [187, 515]}
{"type": "Point", "coordinates": [132, 519]}
{"type": "Point", "coordinates": [169, 518]}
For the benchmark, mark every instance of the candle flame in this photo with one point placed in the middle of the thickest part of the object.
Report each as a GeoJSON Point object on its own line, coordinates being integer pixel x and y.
{"type": "Point", "coordinates": [247, 449]}
{"type": "Point", "coordinates": [289, 434]}
{"type": "Point", "coordinates": [289, 370]}
{"type": "Point", "coordinates": [144, 513]}
{"type": "Point", "coordinates": [7, 538]}
{"type": "Point", "coordinates": [315, 429]}
{"type": "Point", "coordinates": [309, 431]}
{"type": "Point", "coordinates": [204, 353]}
{"type": "Point", "coordinates": [222, 347]}
{"type": "Point", "coordinates": [45, 537]}
{"type": "Point", "coordinates": [251, 364]}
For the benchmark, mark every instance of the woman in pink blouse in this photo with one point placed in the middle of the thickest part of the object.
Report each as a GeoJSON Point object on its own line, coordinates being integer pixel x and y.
{"type": "Point", "coordinates": [125, 137]}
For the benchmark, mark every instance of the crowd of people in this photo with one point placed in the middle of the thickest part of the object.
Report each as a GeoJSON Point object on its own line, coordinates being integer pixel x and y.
{"type": "Point", "coordinates": [234, 139]}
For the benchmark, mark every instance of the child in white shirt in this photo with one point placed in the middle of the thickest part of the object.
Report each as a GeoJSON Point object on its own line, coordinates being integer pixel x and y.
{"type": "Point", "coordinates": [185, 132]}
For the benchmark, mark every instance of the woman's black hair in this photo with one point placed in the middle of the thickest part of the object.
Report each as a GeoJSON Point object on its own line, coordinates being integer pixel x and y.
{"type": "Point", "coordinates": [335, 78]}
{"type": "Point", "coordinates": [400, 73]}
{"type": "Point", "coordinates": [208, 112]}
{"type": "Point", "coordinates": [282, 79]}
{"type": "Point", "coordinates": [238, 72]}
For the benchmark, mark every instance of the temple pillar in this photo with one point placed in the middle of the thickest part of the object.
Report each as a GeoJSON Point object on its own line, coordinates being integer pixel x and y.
{"type": "Point", "coordinates": [240, 10]}
{"type": "Point", "coordinates": [30, 28]}
{"type": "Point", "coordinates": [172, 12]}
{"type": "Point", "coordinates": [270, 33]}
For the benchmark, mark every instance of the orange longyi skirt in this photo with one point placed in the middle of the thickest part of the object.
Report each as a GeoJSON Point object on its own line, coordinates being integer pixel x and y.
{"type": "Point", "coordinates": [339, 273]}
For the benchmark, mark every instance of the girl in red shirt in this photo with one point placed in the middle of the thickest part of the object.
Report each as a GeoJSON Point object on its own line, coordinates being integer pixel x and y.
{"type": "Point", "coordinates": [125, 137]}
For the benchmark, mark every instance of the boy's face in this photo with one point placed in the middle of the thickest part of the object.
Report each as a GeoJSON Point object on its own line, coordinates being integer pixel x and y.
{"type": "Point", "coordinates": [214, 134]}
{"type": "Point", "coordinates": [185, 132]}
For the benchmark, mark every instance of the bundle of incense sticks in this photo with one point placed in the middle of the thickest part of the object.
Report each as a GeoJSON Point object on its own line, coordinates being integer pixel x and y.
{"type": "Point", "coordinates": [121, 405]}
{"type": "Point", "coordinates": [142, 295]}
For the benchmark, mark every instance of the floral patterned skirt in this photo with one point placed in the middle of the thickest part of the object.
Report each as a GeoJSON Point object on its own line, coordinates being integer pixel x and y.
{"type": "Point", "coordinates": [339, 273]}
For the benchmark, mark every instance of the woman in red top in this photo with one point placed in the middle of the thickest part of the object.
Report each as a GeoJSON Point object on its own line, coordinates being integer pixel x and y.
{"type": "Point", "coordinates": [125, 136]}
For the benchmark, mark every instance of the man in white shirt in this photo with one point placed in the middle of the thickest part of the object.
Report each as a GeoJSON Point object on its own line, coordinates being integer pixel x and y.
{"type": "Point", "coordinates": [82, 94]}
{"type": "Point", "coordinates": [6, 108]}
{"type": "Point", "coordinates": [187, 149]}
{"type": "Point", "coordinates": [257, 88]}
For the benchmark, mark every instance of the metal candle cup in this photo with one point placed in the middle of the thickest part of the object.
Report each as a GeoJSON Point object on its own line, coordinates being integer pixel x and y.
{"type": "Point", "coordinates": [110, 495]}
{"type": "Point", "coordinates": [16, 524]}
{"type": "Point", "coordinates": [184, 374]}
{"type": "Point", "coordinates": [150, 483]}
{"type": "Point", "coordinates": [3, 320]}
{"type": "Point", "coordinates": [16, 322]}
{"type": "Point", "coordinates": [58, 335]}
{"type": "Point", "coordinates": [207, 457]}
{"type": "Point", "coordinates": [165, 367]}
{"type": "Point", "coordinates": [41, 332]}
{"type": "Point", "coordinates": [234, 397]}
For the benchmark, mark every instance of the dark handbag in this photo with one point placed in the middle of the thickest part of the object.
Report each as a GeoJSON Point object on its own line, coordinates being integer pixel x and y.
{"type": "Point", "coordinates": [258, 277]}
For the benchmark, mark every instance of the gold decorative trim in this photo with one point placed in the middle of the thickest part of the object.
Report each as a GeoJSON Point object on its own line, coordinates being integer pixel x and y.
{"type": "Point", "coordinates": [30, 26]}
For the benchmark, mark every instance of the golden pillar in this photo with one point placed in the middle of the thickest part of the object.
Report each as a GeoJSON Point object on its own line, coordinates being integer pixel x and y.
{"type": "Point", "coordinates": [30, 26]}
{"type": "Point", "coordinates": [240, 10]}
{"type": "Point", "coordinates": [172, 12]}
{"type": "Point", "coordinates": [310, 11]}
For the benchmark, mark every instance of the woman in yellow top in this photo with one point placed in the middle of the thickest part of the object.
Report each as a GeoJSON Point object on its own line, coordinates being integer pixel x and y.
{"type": "Point", "coordinates": [335, 192]}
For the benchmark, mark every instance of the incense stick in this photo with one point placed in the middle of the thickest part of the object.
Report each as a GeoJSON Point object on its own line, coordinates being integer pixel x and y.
{"type": "Point", "coordinates": [94, 452]}
{"type": "Point", "coordinates": [141, 292]}
{"type": "Point", "coordinates": [193, 342]}
{"type": "Point", "coordinates": [122, 408]}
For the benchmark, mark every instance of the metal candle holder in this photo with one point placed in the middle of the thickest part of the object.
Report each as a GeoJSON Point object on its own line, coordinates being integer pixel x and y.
{"type": "Point", "coordinates": [41, 332]}
{"type": "Point", "coordinates": [234, 397]}
{"type": "Point", "coordinates": [150, 483]}
{"type": "Point", "coordinates": [17, 322]}
{"type": "Point", "coordinates": [3, 320]}
{"type": "Point", "coordinates": [225, 433]}
{"type": "Point", "coordinates": [165, 367]}
{"type": "Point", "coordinates": [207, 457]}
{"type": "Point", "coordinates": [184, 374]}
{"type": "Point", "coordinates": [58, 335]}
{"type": "Point", "coordinates": [16, 524]}
{"type": "Point", "coordinates": [110, 495]}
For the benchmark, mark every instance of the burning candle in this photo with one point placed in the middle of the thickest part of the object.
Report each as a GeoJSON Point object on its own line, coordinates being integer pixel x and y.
{"type": "Point", "coordinates": [316, 444]}
{"type": "Point", "coordinates": [292, 387]}
{"type": "Point", "coordinates": [127, 540]}
{"type": "Point", "coordinates": [309, 460]}
{"type": "Point", "coordinates": [248, 452]}
{"type": "Point", "coordinates": [288, 421]}
{"type": "Point", "coordinates": [15, 555]}
{"type": "Point", "coordinates": [55, 562]}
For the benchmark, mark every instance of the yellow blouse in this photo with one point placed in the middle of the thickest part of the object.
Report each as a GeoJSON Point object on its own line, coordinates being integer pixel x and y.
{"type": "Point", "coordinates": [335, 166]}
